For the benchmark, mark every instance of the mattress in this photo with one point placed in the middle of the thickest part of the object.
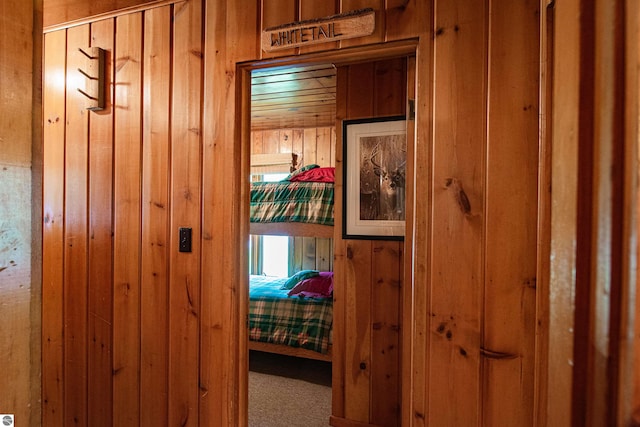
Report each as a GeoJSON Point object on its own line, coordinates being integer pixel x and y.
{"type": "Point", "coordinates": [285, 201]}
{"type": "Point", "coordinates": [275, 317]}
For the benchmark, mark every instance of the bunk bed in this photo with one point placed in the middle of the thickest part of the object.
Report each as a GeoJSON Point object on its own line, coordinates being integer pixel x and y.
{"type": "Point", "coordinates": [301, 205]}
{"type": "Point", "coordinates": [293, 316]}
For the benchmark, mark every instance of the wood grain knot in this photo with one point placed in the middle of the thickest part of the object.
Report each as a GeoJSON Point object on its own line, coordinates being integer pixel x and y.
{"type": "Point", "coordinates": [458, 192]}
{"type": "Point", "coordinates": [363, 366]}
{"type": "Point", "coordinates": [496, 355]}
{"type": "Point", "coordinates": [349, 252]}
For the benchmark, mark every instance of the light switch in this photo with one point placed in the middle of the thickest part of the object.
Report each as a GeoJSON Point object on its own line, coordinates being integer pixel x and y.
{"type": "Point", "coordinates": [185, 239]}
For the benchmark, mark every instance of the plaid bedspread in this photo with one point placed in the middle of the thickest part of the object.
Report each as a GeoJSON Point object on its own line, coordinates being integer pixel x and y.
{"type": "Point", "coordinates": [284, 201]}
{"type": "Point", "coordinates": [277, 318]}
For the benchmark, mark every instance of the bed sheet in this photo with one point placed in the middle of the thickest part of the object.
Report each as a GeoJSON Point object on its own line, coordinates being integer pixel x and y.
{"type": "Point", "coordinates": [285, 201]}
{"type": "Point", "coordinates": [275, 317]}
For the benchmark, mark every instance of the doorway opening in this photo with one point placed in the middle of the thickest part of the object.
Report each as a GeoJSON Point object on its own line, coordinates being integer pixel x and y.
{"type": "Point", "coordinates": [285, 135]}
{"type": "Point", "coordinates": [290, 316]}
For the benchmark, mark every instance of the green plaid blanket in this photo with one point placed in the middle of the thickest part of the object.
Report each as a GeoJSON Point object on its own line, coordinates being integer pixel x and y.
{"type": "Point", "coordinates": [277, 318]}
{"type": "Point", "coordinates": [284, 201]}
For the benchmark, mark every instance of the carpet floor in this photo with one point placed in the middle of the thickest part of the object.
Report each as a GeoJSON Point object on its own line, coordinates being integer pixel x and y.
{"type": "Point", "coordinates": [288, 392]}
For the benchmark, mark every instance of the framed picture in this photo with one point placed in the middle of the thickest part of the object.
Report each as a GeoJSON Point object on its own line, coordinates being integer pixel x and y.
{"type": "Point", "coordinates": [374, 161]}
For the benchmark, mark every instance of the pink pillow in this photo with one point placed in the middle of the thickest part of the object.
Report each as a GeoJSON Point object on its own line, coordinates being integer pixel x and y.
{"type": "Point", "coordinates": [316, 175]}
{"type": "Point", "coordinates": [321, 285]}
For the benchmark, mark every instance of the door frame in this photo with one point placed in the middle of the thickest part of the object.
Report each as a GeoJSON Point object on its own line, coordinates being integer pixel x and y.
{"type": "Point", "coordinates": [242, 138]}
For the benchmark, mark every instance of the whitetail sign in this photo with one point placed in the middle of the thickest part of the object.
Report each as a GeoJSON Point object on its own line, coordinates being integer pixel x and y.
{"type": "Point", "coordinates": [349, 25]}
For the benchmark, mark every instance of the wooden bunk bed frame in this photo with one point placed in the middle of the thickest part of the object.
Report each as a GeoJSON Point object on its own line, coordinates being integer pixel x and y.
{"type": "Point", "coordinates": [286, 350]}
{"type": "Point", "coordinates": [291, 229]}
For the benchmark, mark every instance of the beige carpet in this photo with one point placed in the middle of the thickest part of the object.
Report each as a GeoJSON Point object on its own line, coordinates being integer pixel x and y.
{"type": "Point", "coordinates": [285, 402]}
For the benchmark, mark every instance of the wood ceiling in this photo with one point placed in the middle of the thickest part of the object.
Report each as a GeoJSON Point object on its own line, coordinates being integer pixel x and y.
{"type": "Point", "coordinates": [298, 97]}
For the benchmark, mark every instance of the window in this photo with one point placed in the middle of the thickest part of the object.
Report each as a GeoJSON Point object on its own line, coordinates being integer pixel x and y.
{"type": "Point", "coordinates": [275, 256]}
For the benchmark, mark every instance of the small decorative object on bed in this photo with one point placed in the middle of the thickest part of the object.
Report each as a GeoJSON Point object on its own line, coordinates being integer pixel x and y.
{"type": "Point", "coordinates": [374, 159]}
{"type": "Point", "coordinates": [304, 197]}
{"type": "Point", "coordinates": [293, 315]}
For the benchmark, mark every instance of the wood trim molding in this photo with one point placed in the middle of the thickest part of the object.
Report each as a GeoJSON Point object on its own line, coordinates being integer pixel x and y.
{"type": "Point", "coordinates": [343, 56]}
{"type": "Point", "coordinates": [110, 14]}
{"type": "Point", "coordinates": [343, 422]}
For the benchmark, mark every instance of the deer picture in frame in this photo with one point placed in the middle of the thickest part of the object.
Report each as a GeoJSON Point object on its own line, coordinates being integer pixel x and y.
{"type": "Point", "coordinates": [375, 174]}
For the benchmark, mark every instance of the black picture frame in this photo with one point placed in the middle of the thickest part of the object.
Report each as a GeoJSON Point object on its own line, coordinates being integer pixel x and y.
{"type": "Point", "coordinates": [374, 173]}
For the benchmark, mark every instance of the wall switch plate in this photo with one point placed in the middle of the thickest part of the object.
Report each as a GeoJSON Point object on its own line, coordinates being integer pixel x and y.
{"type": "Point", "coordinates": [7, 420]}
{"type": "Point", "coordinates": [185, 240]}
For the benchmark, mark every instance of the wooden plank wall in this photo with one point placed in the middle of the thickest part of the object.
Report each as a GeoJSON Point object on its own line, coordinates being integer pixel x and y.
{"type": "Point", "coordinates": [20, 192]}
{"type": "Point", "coordinates": [122, 304]}
{"type": "Point", "coordinates": [594, 233]}
{"type": "Point", "coordinates": [175, 160]}
{"type": "Point", "coordinates": [369, 272]}
{"type": "Point", "coordinates": [62, 11]}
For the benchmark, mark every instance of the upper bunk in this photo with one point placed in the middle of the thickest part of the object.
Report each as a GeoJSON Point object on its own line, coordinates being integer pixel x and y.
{"type": "Point", "coordinates": [299, 205]}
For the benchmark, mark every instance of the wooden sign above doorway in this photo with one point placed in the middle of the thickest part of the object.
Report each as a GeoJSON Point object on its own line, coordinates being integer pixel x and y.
{"type": "Point", "coordinates": [357, 23]}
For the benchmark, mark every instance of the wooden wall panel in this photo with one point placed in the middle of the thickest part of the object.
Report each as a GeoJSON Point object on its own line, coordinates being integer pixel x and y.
{"type": "Point", "coordinates": [339, 267]}
{"type": "Point", "coordinates": [378, 33]}
{"type": "Point", "coordinates": [155, 217]}
{"type": "Point", "coordinates": [223, 377]}
{"type": "Point", "coordinates": [458, 215]}
{"type": "Point", "coordinates": [16, 64]}
{"type": "Point", "coordinates": [357, 326]}
{"type": "Point", "coordinates": [563, 227]}
{"type": "Point", "coordinates": [510, 286]}
{"type": "Point", "coordinates": [310, 146]}
{"type": "Point", "coordinates": [185, 199]}
{"type": "Point", "coordinates": [370, 272]}
{"type": "Point", "coordinates": [275, 13]}
{"type": "Point", "coordinates": [410, 250]}
{"type": "Point", "coordinates": [313, 145]}
{"type": "Point", "coordinates": [53, 379]}
{"type": "Point", "coordinates": [629, 406]}
{"type": "Point", "coordinates": [200, 162]}
{"type": "Point", "coordinates": [21, 208]}
{"type": "Point", "coordinates": [61, 11]}
{"type": "Point", "coordinates": [386, 283]}
{"type": "Point", "coordinates": [127, 219]}
{"type": "Point", "coordinates": [75, 234]}
{"type": "Point", "coordinates": [100, 289]}
{"type": "Point", "coordinates": [311, 9]}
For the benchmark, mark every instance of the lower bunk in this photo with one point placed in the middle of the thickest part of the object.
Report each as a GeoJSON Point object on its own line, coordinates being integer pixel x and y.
{"type": "Point", "coordinates": [292, 316]}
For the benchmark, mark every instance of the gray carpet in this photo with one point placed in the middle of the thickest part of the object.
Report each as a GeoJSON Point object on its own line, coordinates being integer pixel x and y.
{"type": "Point", "coordinates": [287, 391]}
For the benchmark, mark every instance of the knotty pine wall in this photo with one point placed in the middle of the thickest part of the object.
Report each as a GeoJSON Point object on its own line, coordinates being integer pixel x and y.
{"type": "Point", "coordinates": [369, 273]}
{"type": "Point", "coordinates": [122, 306]}
{"type": "Point", "coordinates": [138, 333]}
{"type": "Point", "coordinates": [20, 168]}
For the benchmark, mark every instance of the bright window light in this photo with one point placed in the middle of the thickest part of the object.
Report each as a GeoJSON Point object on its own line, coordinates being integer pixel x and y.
{"type": "Point", "coordinates": [275, 255]}
{"type": "Point", "coordinates": [273, 177]}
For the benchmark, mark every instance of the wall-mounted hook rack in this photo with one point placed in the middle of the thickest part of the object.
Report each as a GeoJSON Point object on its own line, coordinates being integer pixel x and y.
{"type": "Point", "coordinates": [94, 82]}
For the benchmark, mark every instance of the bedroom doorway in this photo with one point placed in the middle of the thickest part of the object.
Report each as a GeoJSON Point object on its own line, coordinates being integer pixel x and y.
{"type": "Point", "coordinates": [376, 380]}
{"type": "Point", "coordinates": [291, 245]}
